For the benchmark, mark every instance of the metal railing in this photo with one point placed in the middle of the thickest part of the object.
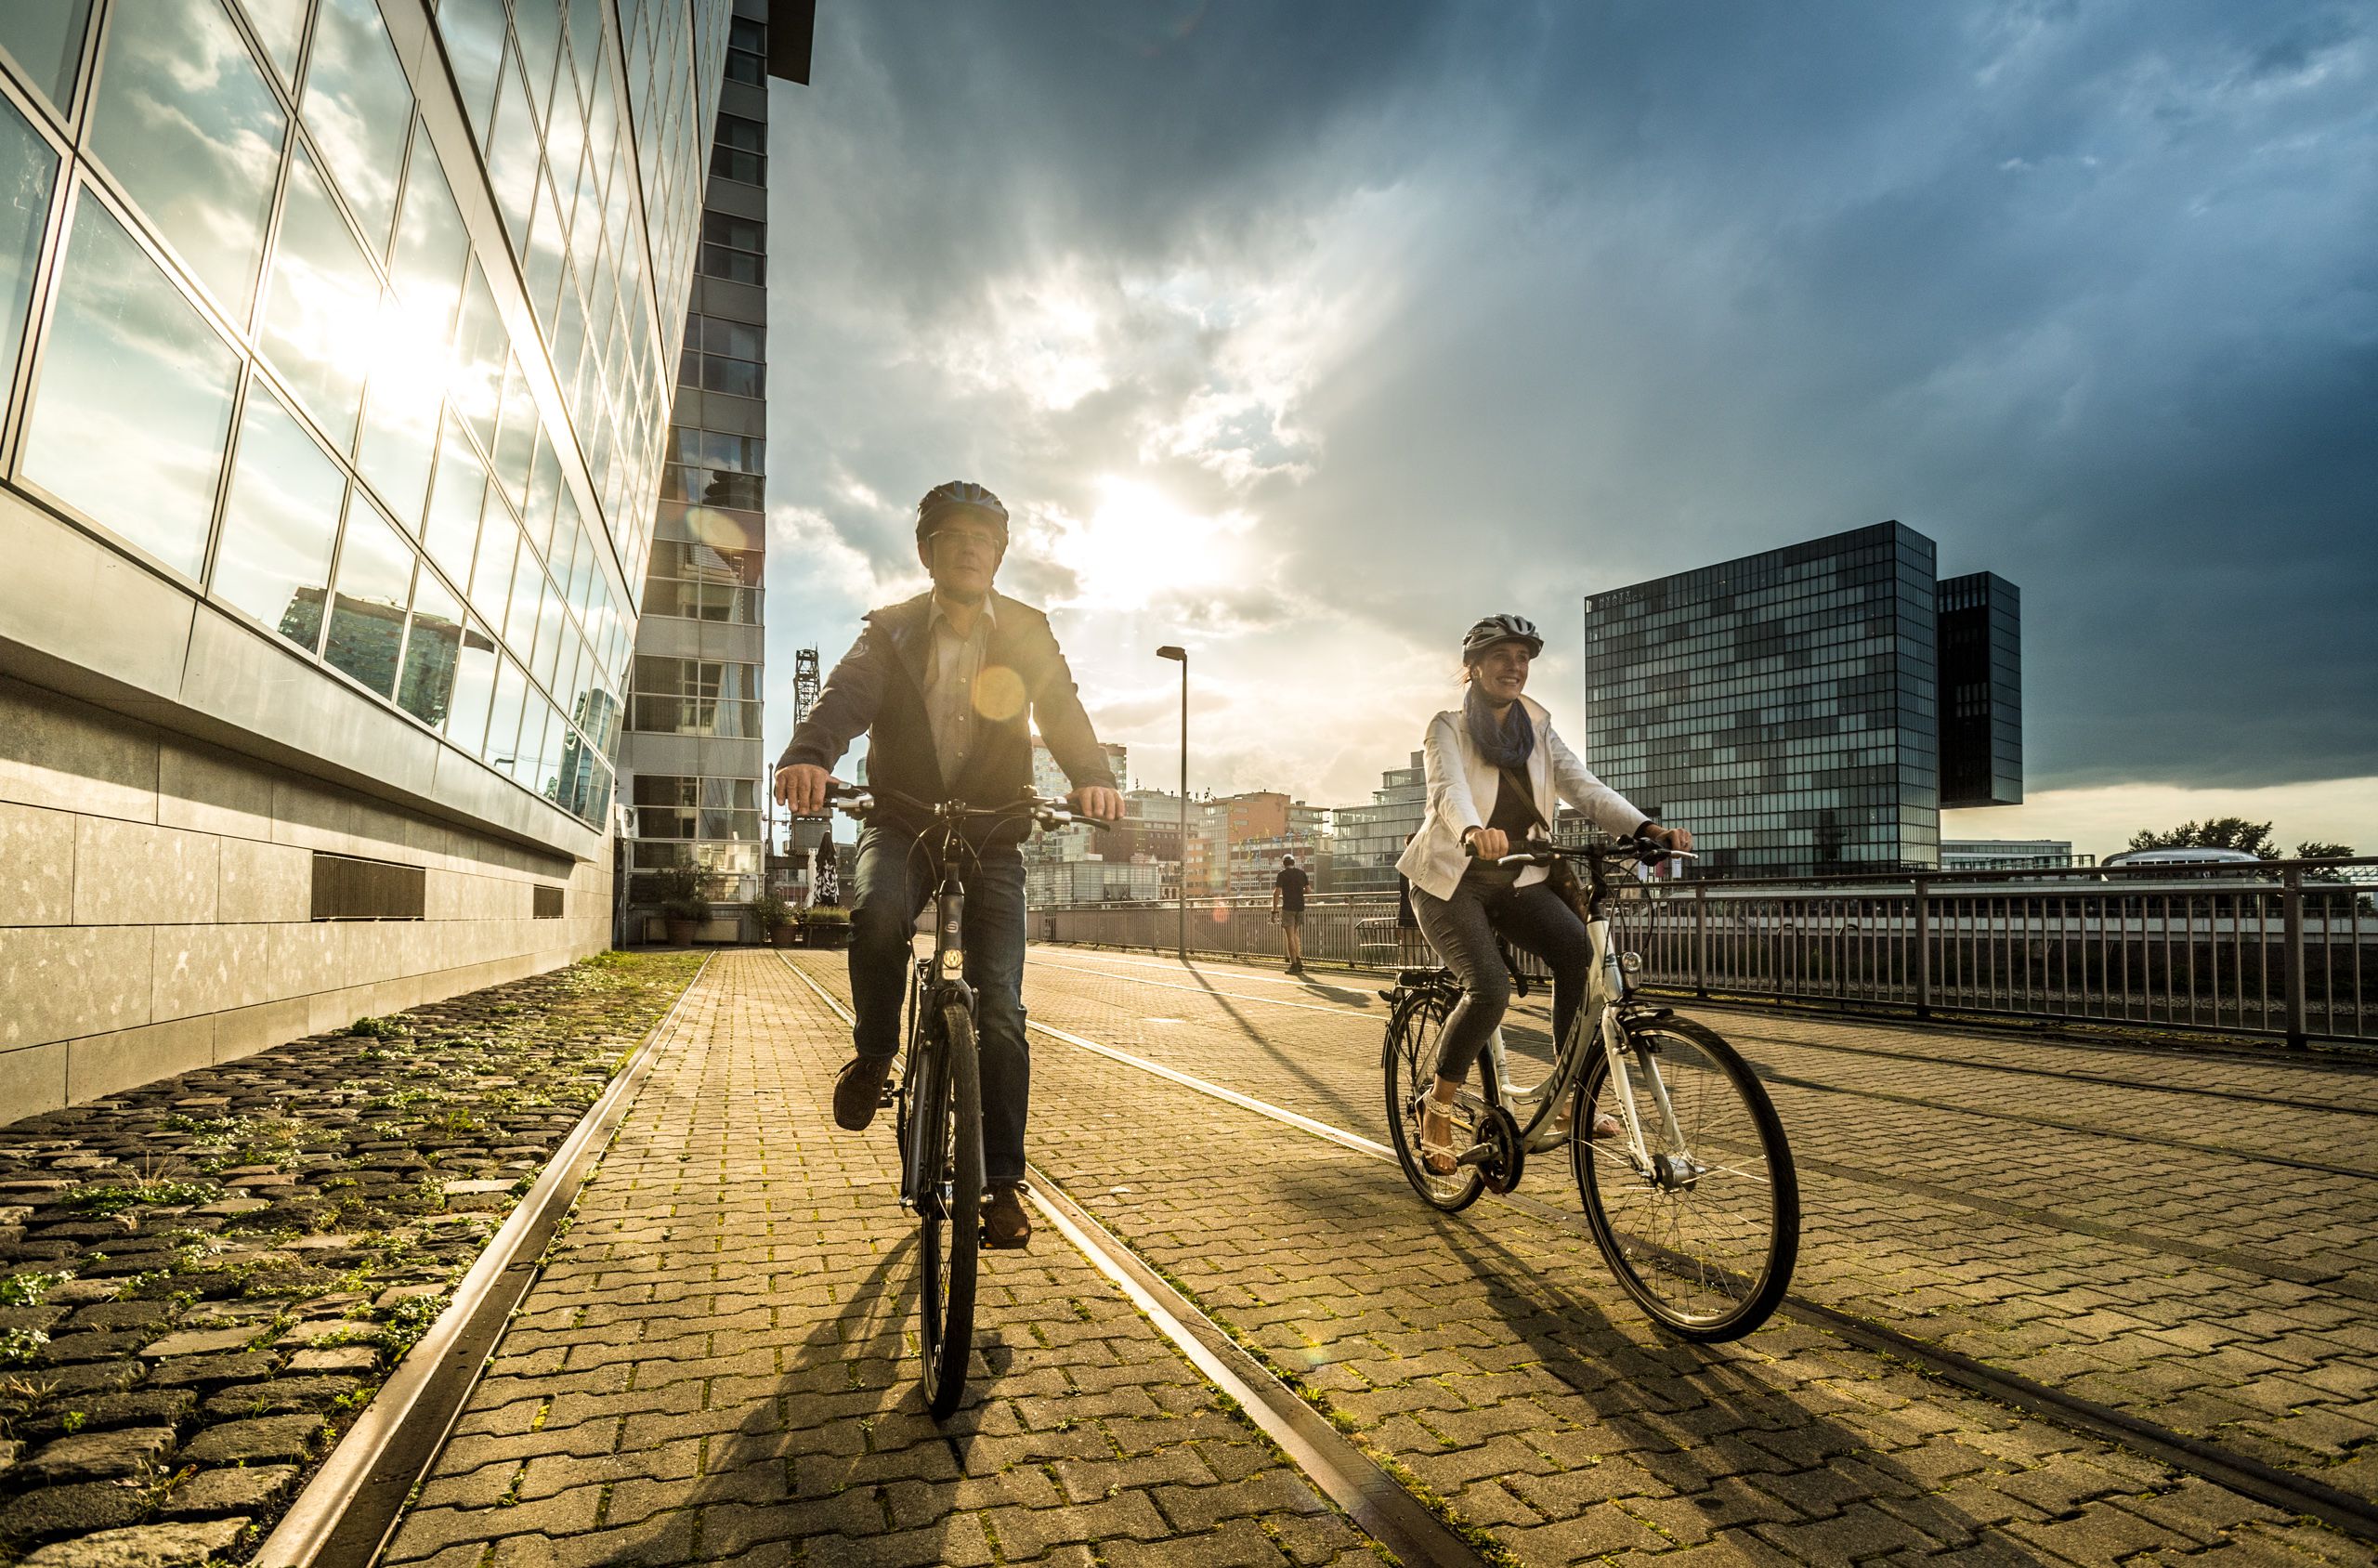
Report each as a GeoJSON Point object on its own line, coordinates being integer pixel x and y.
{"type": "Point", "coordinates": [2286, 948]}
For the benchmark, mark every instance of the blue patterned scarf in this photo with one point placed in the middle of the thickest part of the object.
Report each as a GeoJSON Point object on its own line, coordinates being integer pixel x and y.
{"type": "Point", "coordinates": [1504, 745]}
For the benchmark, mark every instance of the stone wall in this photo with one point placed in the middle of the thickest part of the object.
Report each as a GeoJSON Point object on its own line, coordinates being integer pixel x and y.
{"type": "Point", "coordinates": [156, 899]}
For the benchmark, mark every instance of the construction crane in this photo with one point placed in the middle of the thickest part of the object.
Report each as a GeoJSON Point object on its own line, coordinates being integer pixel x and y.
{"type": "Point", "coordinates": [820, 844]}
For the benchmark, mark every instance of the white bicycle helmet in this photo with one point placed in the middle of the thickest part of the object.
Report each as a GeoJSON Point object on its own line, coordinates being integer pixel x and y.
{"type": "Point", "coordinates": [1500, 628]}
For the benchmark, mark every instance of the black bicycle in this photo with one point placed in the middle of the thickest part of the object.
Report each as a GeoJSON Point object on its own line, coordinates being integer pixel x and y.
{"type": "Point", "coordinates": [1682, 1164]}
{"type": "Point", "coordinates": [938, 1097]}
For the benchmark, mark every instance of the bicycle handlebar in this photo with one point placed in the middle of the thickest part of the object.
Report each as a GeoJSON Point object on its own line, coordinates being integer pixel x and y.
{"type": "Point", "coordinates": [1648, 852]}
{"type": "Point", "coordinates": [858, 803]}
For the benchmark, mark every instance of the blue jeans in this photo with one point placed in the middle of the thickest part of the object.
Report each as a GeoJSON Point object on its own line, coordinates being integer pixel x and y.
{"type": "Point", "coordinates": [895, 879]}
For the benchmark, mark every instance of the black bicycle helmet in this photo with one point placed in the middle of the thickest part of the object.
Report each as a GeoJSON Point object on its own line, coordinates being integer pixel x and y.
{"type": "Point", "coordinates": [959, 495]}
{"type": "Point", "coordinates": [1500, 628]}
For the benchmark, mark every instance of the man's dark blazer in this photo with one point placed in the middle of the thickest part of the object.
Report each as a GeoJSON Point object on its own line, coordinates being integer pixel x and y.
{"type": "Point", "coordinates": [878, 687]}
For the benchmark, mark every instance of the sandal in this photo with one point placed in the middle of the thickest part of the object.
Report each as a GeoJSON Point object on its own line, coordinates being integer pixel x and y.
{"type": "Point", "coordinates": [1433, 1151]}
{"type": "Point", "coordinates": [1606, 1126]}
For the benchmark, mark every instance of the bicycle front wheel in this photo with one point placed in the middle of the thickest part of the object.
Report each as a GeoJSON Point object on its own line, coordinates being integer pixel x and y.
{"type": "Point", "coordinates": [1409, 1059]}
{"type": "Point", "coordinates": [1706, 1239]}
{"type": "Point", "coordinates": [949, 1120]}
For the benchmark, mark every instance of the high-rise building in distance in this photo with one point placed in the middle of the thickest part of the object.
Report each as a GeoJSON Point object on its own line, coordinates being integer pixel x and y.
{"type": "Point", "coordinates": [1784, 707]}
{"type": "Point", "coordinates": [693, 760]}
{"type": "Point", "coordinates": [337, 378]}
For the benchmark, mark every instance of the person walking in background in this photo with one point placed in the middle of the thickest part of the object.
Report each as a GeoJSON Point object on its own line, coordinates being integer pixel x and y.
{"type": "Point", "coordinates": [1288, 907]}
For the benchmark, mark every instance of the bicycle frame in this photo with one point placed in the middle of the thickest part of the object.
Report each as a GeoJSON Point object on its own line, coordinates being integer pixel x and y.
{"type": "Point", "coordinates": [935, 981]}
{"type": "Point", "coordinates": [1607, 994]}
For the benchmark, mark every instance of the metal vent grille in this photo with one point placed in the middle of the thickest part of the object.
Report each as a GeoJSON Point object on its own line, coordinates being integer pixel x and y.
{"type": "Point", "coordinates": [347, 888]}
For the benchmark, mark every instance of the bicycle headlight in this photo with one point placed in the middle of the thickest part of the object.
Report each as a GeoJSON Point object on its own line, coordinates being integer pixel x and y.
{"type": "Point", "coordinates": [1631, 962]}
{"type": "Point", "coordinates": [952, 961]}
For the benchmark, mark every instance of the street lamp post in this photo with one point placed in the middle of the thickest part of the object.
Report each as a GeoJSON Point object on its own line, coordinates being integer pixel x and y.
{"type": "Point", "coordinates": [1182, 654]}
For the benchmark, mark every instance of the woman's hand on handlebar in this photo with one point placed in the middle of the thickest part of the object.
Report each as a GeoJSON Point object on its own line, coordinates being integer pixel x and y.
{"type": "Point", "coordinates": [801, 788]}
{"type": "Point", "coordinates": [1676, 839]}
{"type": "Point", "coordinates": [1487, 843]}
{"type": "Point", "coordinates": [1097, 801]}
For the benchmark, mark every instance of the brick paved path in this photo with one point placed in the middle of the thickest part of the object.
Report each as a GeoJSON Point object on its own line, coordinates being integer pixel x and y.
{"type": "Point", "coordinates": [1492, 1355]}
{"type": "Point", "coordinates": [2206, 1288]}
{"type": "Point", "coordinates": [718, 1363]}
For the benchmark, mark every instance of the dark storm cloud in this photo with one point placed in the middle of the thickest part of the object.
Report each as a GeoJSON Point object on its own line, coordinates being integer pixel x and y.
{"type": "Point", "coordinates": [2088, 293]}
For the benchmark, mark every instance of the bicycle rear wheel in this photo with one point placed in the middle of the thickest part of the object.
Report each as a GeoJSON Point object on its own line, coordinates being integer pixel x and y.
{"type": "Point", "coordinates": [949, 1119]}
{"type": "Point", "coordinates": [1706, 1245]}
{"type": "Point", "coordinates": [1409, 1062]}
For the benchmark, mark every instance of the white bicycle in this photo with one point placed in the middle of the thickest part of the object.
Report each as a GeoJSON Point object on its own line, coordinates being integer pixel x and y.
{"type": "Point", "coordinates": [1691, 1191]}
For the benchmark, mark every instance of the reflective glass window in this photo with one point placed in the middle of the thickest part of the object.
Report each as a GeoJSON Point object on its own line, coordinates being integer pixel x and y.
{"type": "Point", "coordinates": [549, 624]}
{"type": "Point", "coordinates": [741, 151]}
{"type": "Point", "coordinates": [491, 586]}
{"type": "Point", "coordinates": [273, 560]}
{"type": "Point", "coordinates": [432, 245]}
{"type": "Point", "coordinates": [186, 121]}
{"type": "Point", "coordinates": [480, 353]}
{"type": "Point", "coordinates": [28, 175]}
{"type": "Point", "coordinates": [516, 441]}
{"type": "Point", "coordinates": [520, 617]}
{"type": "Point", "coordinates": [281, 26]}
{"type": "Point", "coordinates": [512, 155]}
{"type": "Point", "coordinates": [321, 306]}
{"type": "Point", "coordinates": [504, 720]}
{"type": "Point", "coordinates": [358, 106]}
{"type": "Point", "coordinates": [473, 31]}
{"type": "Point", "coordinates": [544, 483]}
{"type": "Point", "coordinates": [452, 523]}
{"type": "Point", "coordinates": [431, 650]}
{"type": "Point", "coordinates": [400, 410]}
{"type": "Point", "coordinates": [134, 404]}
{"type": "Point", "coordinates": [368, 611]}
{"type": "Point", "coordinates": [46, 38]}
{"type": "Point", "coordinates": [547, 243]}
{"type": "Point", "coordinates": [474, 664]}
{"type": "Point", "coordinates": [539, 23]}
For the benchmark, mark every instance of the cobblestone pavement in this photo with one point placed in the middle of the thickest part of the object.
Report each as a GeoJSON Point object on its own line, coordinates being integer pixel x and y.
{"type": "Point", "coordinates": [718, 1363]}
{"type": "Point", "coordinates": [1491, 1354]}
{"type": "Point", "coordinates": [2213, 1292]}
{"type": "Point", "coordinates": [201, 1279]}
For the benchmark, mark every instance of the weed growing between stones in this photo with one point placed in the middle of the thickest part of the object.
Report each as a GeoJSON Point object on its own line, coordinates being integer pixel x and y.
{"type": "Point", "coordinates": [197, 1268]}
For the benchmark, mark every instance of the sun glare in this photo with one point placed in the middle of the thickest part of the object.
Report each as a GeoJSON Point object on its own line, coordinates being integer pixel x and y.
{"type": "Point", "coordinates": [1140, 542]}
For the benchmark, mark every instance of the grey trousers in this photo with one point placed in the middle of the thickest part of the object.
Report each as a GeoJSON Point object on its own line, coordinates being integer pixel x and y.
{"type": "Point", "coordinates": [1462, 931]}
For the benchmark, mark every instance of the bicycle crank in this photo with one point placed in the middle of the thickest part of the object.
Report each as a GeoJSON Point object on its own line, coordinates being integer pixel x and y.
{"type": "Point", "coordinates": [1500, 1154]}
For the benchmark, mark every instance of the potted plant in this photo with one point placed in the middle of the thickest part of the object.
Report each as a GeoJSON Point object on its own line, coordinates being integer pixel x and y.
{"type": "Point", "coordinates": [774, 916]}
{"type": "Point", "coordinates": [824, 925]}
{"type": "Point", "coordinates": [681, 891]}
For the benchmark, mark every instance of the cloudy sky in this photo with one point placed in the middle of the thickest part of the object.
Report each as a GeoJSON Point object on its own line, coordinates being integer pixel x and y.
{"type": "Point", "coordinates": [1305, 334]}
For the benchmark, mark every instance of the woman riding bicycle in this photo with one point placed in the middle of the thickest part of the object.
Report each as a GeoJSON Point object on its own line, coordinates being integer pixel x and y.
{"type": "Point", "coordinates": [1496, 773]}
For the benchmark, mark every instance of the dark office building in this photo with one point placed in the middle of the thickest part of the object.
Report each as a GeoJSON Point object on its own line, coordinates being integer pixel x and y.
{"type": "Point", "coordinates": [1982, 691]}
{"type": "Point", "coordinates": [1784, 706]}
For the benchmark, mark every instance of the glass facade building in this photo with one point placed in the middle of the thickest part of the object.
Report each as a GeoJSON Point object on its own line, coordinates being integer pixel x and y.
{"type": "Point", "coordinates": [1367, 839]}
{"type": "Point", "coordinates": [339, 339]}
{"type": "Point", "coordinates": [1784, 707]}
{"type": "Point", "coordinates": [692, 755]}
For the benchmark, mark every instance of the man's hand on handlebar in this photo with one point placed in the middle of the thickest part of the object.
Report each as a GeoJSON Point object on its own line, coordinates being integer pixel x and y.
{"type": "Point", "coordinates": [1487, 843]}
{"type": "Point", "coordinates": [801, 788]}
{"type": "Point", "coordinates": [1678, 840]}
{"type": "Point", "coordinates": [1097, 801]}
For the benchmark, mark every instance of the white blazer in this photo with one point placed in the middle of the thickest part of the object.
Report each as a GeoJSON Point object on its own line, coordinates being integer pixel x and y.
{"type": "Point", "coordinates": [1462, 786]}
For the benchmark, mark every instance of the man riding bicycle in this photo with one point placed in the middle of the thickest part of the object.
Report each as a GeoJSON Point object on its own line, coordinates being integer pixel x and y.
{"type": "Point", "coordinates": [948, 686]}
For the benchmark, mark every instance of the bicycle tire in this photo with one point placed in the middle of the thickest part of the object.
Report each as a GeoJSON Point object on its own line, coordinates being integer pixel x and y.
{"type": "Point", "coordinates": [1702, 1274]}
{"type": "Point", "coordinates": [954, 1229]}
{"type": "Point", "coordinates": [1408, 1063]}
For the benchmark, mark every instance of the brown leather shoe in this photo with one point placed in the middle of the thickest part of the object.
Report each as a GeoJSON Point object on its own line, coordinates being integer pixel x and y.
{"type": "Point", "coordinates": [1006, 1223]}
{"type": "Point", "coordinates": [859, 1091]}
